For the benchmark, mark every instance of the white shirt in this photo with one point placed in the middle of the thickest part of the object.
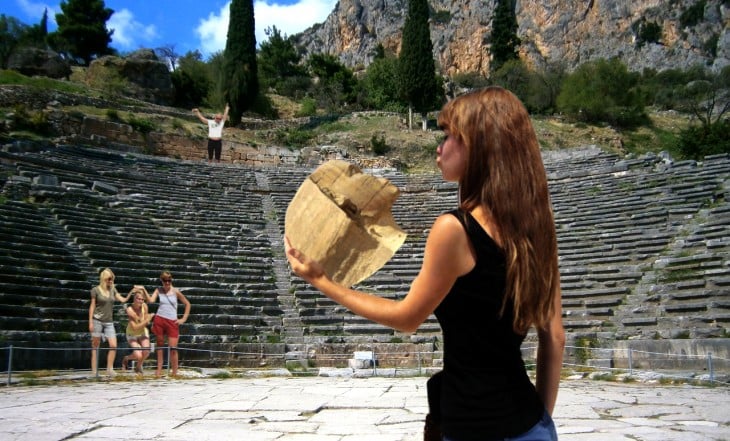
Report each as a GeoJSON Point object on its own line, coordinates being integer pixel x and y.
{"type": "Point", "coordinates": [215, 129]}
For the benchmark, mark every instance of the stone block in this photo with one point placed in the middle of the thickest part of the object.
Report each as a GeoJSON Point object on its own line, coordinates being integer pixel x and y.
{"type": "Point", "coordinates": [49, 180]}
{"type": "Point", "coordinates": [362, 360]}
{"type": "Point", "coordinates": [104, 188]}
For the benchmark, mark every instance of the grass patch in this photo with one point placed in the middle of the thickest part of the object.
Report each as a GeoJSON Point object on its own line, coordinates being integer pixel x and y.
{"type": "Point", "coordinates": [677, 275]}
{"type": "Point", "coordinates": [12, 77]}
{"type": "Point", "coordinates": [604, 376]}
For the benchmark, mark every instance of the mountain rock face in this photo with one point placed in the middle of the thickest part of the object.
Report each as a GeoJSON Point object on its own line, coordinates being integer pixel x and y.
{"type": "Point", "coordinates": [551, 31]}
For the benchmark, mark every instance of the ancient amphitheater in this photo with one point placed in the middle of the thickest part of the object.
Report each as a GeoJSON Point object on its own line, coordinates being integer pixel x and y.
{"type": "Point", "coordinates": [644, 254]}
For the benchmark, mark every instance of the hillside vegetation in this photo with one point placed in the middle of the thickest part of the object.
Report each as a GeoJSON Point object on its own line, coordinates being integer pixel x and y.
{"type": "Point", "coordinates": [372, 134]}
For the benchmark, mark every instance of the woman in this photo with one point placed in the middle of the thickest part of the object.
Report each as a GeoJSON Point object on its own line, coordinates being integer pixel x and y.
{"type": "Point", "coordinates": [489, 273]}
{"type": "Point", "coordinates": [138, 336]}
{"type": "Point", "coordinates": [101, 319]}
{"type": "Point", "coordinates": [166, 323]}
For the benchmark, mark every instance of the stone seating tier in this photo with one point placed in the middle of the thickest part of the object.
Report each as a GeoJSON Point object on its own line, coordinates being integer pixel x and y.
{"type": "Point", "coordinates": [624, 225]}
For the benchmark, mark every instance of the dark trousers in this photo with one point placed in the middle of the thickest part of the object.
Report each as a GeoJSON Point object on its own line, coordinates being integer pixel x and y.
{"type": "Point", "coordinates": [215, 146]}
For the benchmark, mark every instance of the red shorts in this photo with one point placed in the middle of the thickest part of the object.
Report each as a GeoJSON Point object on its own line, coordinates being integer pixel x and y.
{"type": "Point", "coordinates": [162, 327]}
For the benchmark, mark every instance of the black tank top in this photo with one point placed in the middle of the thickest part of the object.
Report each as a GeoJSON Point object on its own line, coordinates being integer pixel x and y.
{"type": "Point", "coordinates": [485, 391]}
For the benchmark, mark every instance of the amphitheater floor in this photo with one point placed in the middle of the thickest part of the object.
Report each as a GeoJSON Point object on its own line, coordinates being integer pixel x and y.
{"type": "Point", "coordinates": [333, 409]}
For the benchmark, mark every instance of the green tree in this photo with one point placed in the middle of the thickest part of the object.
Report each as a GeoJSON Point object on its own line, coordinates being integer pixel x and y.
{"type": "Point", "coordinates": [36, 35]}
{"type": "Point", "coordinates": [192, 80]}
{"type": "Point", "coordinates": [470, 80]}
{"type": "Point", "coordinates": [217, 92]}
{"type": "Point", "coordinates": [707, 99]}
{"type": "Point", "coordinates": [419, 85]}
{"type": "Point", "coordinates": [504, 34]}
{"type": "Point", "coordinates": [336, 85]}
{"type": "Point", "coordinates": [279, 65]}
{"type": "Point", "coordinates": [380, 83]}
{"type": "Point", "coordinates": [239, 59]}
{"type": "Point", "coordinates": [538, 90]}
{"type": "Point", "coordinates": [82, 29]}
{"type": "Point", "coordinates": [603, 91]}
{"type": "Point", "coordinates": [514, 76]}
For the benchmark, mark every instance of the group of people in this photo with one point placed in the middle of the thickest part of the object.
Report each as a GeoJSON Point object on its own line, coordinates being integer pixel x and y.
{"type": "Point", "coordinates": [489, 274]}
{"type": "Point", "coordinates": [164, 323]}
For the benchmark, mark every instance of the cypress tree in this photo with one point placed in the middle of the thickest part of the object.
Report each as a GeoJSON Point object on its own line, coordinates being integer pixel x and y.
{"type": "Point", "coordinates": [504, 34]}
{"type": "Point", "coordinates": [43, 26]}
{"type": "Point", "coordinates": [82, 28]}
{"type": "Point", "coordinates": [418, 83]}
{"type": "Point", "coordinates": [241, 85]}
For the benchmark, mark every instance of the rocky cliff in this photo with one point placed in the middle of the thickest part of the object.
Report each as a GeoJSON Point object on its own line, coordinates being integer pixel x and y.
{"type": "Point", "coordinates": [551, 31]}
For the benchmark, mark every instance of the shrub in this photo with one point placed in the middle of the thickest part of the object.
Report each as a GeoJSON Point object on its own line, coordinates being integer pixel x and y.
{"type": "Point", "coordinates": [603, 91]}
{"type": "Point", "coordinates": [33, 121]}
{"type": "Point", "coordinates": [294, 137]}
{"type": "Point", "coordinates": [113, 115]}
{"type": "Point", "coordinates": [647, 32]}
{"type": "Point", "coordinates": [702, 140]}
{"type": "Point", "coordinates": [692, 15]}
{"type": "Point", "coordinates": [469, 80]}
{"type": "Point", "coordinates": [308, 108]}
{"type": "Point", "coordinates": [142, 125]}
{"type": "Point", "coordinates": [378, 145]}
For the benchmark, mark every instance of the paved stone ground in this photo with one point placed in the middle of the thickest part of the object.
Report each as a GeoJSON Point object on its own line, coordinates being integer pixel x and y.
{"type": "Point", "coordinates": [333, 409]}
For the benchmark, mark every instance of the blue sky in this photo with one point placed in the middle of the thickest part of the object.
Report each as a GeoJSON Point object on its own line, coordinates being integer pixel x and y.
{"type": "Point", "coordinates": [186, 24]}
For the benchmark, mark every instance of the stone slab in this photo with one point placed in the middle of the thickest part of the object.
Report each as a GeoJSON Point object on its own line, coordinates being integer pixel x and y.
{"type": "Point", "coordinates": [332, 409]}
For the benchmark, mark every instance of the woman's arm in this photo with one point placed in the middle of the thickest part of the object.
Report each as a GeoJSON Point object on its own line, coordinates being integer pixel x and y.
{"type": "Point", "coordinates": [119, 297]}
{"type": "Point", "coordinates": [181, 297]}
{"type": "Point", "coordinates": [92, 307]}
{"type": "Point", "coordinates": [200, 116]}
{"type": "Point", "coordinates": [225, 113]}
{"type": "Point", "coordinates": [447, 256]}
{"type": "Point", "coordinates": [136, 322]}
{"type": "Point", "coordinates": [153, 297]}
{"type": "Point", "coordinates": [551, 343]}
{"type": "Point", "coordinates": [133, 319]}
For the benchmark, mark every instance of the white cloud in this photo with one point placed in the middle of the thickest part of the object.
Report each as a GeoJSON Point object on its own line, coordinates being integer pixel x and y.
{"type": "Point", "coordinates": [35, 10]}
{"type": "Point", "coordinates": [128, 32]}
{"type": "Point", "coordinates": [289, 19]}
{"type": "Point", "coordinates": [213, 31]}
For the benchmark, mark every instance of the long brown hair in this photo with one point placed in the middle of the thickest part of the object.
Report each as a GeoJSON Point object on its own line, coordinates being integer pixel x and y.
{"type": "Point", "coordinates": [504, 174]}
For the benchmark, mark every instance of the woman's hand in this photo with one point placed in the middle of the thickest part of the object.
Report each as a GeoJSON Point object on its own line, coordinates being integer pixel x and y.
{"type": "Point", "coordinates": [306, 268]}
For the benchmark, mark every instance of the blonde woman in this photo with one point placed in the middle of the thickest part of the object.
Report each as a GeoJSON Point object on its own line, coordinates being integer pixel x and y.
{"type": "Point", "coordinates": [101, 319]}
{"type": "Point", "coordinates": [489, 273]}
{"type": "Point", "coordinates": [166, 322]}
{"type": "Point", "coordinates": [138, 336]}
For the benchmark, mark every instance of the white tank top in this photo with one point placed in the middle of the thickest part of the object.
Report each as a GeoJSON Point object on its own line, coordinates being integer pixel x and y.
{"type": "Point", "coordinates": [168, 305]}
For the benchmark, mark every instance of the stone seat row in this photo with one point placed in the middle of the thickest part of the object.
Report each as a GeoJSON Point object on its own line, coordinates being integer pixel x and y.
{"type": "Point", "coordinates": [23, 301]}
{"type": "Point", "coordinates": [597, 196]}
{"type": "Point", "coordinates": [44, 254]}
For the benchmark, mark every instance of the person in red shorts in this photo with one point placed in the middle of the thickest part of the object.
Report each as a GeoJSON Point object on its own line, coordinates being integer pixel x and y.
{"type": "Point", "coordinates": [166, 322]}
